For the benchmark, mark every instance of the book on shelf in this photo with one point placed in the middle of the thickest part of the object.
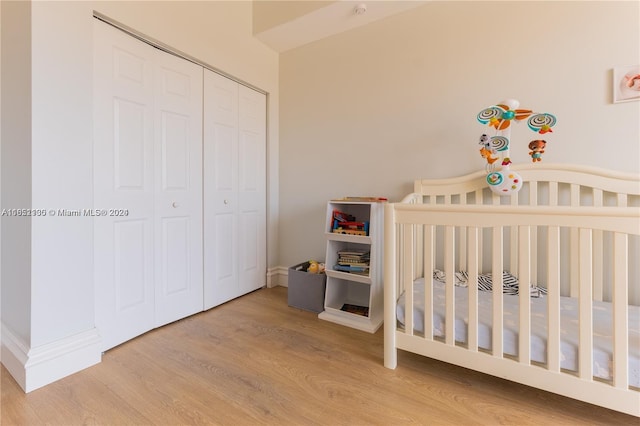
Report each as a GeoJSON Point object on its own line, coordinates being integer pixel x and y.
{"type": "Point", "coordinates": [352, 224]}
{"type": "Point", "coordinates": [352, 268]}
{"type": "Point", "coordinates": [355, 309]}
{"type": "Point", "coordinates": [349, 262]}
{"type": "Point", "coordinates": [340, 230]}
{"type": "Point", "coordinates": [354, 252]}
{"type": "Point", "coordinates": [345, 223]}
{"type": "Point", "coordinates": [365, 199]}
{"type": "Point", "coordinates": [354, 256]}
{"type": "Point", "coordinates": [342, 217]}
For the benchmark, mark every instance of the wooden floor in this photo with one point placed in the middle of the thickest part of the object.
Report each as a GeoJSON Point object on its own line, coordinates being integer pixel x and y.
{"type": "Point", "coordinates": [257, 361]}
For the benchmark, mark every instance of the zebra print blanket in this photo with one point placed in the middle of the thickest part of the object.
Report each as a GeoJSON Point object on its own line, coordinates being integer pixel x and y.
{"type": "Point", "coordinates": [510, 283]}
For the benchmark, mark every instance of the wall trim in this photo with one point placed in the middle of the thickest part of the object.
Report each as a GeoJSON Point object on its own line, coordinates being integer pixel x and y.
{"type": "Point", "coordinates": [36, 367]}
{"type": "Point", "coordinates": [14, 355]}
{"type": "Point", "coordinates": [277, 276]}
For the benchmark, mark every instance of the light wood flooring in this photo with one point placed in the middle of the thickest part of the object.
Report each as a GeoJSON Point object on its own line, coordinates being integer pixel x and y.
{"type": "Point", "coordinates": [256, 361]}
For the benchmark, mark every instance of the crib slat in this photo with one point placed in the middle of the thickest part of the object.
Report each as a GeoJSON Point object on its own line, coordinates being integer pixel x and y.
{"type": "Point", "coordinates": [463, 262]}
{"type": "Point", "coordinates": [553, 299]}
{"type": "Point", "coordinates": [533, 270]}
{"type": "Point", "coordinates": [622, 200]}
{"type": "Point", "coordinates": [513, 243]}
{"type": "Point", "coordinates": [585, 352]}
{"type": "Point", "coordinates": [472, 332]}
{"type": "Point", "coordinates": [574, 263]}
{"type": "Point", "coordinates": [533, 235]}
{"type": "Point", "coordinates": [598, 253]}
{"type": "Point", "coordinates": [480, 200]}
{"type": "Point", "coordinates": [449, 259]}
{"type": "Point", "coordinates": [575, 195]}
{"type": "Point", "coordinates": [391, 286]}
{"type": "Point", "coordinates": [598, 265]}
{"type": "Point", "coordinates": [407, 265]}
{"type": "Point", "coordinates": [513, 237]}
{"type": "Point", "coordinates": [462, 249]}
{"type": "Point", "coordinates": [524, 256]}
{"type": "Point", "coordinates": [620, 311]}
{"type": "Point", "coordinates": [497, 268]}
{"type": "Point", "coordinates": [597, 197]}
{"type": "Point", "coordinates": [574, 277]}
{"type": "Point", "coordinates": [418, 265]}
{"type": "Point", "coordinates": [428, 239]}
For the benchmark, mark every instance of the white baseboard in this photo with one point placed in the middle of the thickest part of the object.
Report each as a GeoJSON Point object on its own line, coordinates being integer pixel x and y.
{"type": "Point", "coordinates": [14, 356]}
{"type": "Point", "coordinates": [35, 367]}
{"type": "Point", "coordinates": [277, 276]}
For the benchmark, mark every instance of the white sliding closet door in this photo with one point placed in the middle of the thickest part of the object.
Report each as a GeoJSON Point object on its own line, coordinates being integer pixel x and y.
{"type": "Point", "coordinates": [252, 184]}
{"type": "Point", "coordinates": [234, 189]}
{"type": "Point", "coordinates": [147, 160]}
{"type": "Point", "coordinates": [123, 178]}
{"type": "Point", "coordinates": [178, 188]}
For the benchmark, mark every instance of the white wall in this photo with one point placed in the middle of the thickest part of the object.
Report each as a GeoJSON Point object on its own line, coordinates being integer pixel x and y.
{"type": "Point", "coordinates": [62, 247]}
{"type": "Point", "coordinates": [16, 166]}
{"type": "Point", "coordinates": [0, 179]}
{"type": "Point", "coordinates": [368, 111]}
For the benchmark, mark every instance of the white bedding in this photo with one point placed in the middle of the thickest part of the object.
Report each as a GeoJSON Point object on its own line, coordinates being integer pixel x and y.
{"type": "Point", "coordinates": [602, 327]}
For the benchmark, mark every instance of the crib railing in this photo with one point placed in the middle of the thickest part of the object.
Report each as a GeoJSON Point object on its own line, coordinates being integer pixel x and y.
{"type": "Point", "coordinates": [549, 185]}
{"type": "Point", "coordinates": [423, 237]}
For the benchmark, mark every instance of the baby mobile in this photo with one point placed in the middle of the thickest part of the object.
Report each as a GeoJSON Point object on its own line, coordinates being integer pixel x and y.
{"type": "Point", "coordinates": [495, 149]}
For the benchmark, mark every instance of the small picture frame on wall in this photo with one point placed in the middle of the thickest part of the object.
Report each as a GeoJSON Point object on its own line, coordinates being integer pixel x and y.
{"type": "Point", "coordinates": [626, 83]}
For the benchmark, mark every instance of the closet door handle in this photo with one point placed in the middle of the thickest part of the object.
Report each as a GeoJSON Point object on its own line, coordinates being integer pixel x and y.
{"type": "Point", "coordinates": [175, 205]}
{"type": "Point", "coordinates": [226, 201]}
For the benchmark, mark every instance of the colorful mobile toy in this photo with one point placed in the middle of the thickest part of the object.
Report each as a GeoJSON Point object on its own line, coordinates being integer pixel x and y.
{"type": "Point", "coordinates": [500, 178]}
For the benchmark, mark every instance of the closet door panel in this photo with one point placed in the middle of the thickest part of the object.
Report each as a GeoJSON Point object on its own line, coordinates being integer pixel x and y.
{"type": "Point", "coordinates": [178, 188]}
{"type": "Point", "coordinates": [131, 264]}
{"type": "Point", "coordinates": [123, 178]}
{"type": "Point", "coordinates": [174, 149]}
{"type": "Point", "coordinates": [175, 256]}
{"type": "Point", "coordinates": [129, 145]}
{"type": "Point", "coordinates": [252, 189]}
{"type": "Point", "coordinates": [221, 282]}
{"type": "Point", "coordinates": [225, 247]}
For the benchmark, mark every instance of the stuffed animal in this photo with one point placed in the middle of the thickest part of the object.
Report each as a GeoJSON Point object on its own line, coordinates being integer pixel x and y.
{"type": "Point", "coordinates": [315, 267]}
{"type": "Point", "coordinates": [537, 149]}
{"type": "Point", "coordinates": [488, 155]}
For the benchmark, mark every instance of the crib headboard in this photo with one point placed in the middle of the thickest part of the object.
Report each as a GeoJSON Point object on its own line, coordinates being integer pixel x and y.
{"type": "Point", "coordinates": [544, 184]}
{"type": "Point", "coordinates": [552, 185]}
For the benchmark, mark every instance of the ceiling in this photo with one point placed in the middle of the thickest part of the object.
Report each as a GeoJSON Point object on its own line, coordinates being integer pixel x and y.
{"type": "Point", "coordinates": [292, 26]}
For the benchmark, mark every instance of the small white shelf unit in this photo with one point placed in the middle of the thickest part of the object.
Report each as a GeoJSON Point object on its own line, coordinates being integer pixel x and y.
{"type": "Point", "coordinates": [350, 288]}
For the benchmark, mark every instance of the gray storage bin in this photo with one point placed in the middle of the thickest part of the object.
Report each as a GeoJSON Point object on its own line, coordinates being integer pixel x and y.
{"type": "Point", "coordinates": [305, 290]}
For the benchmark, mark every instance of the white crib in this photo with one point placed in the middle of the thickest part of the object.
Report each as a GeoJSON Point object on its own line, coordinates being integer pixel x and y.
{"type": "Point", "coordinates": [570, 236]}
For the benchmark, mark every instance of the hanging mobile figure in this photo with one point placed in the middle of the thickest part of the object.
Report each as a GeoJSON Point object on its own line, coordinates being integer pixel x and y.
{"type": "Point", "coordinates": [537, 149]}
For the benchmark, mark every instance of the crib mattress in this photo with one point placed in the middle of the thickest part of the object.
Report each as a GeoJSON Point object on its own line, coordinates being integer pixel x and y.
{"type": "Point", "coordinates": [602, 327]}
